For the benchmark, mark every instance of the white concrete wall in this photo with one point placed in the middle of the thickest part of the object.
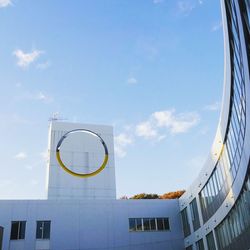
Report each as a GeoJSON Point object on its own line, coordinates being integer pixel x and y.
{"type": "Point", "coordinates": [92, 224]}
{"type": "Point", "coordinates": [83, 154]}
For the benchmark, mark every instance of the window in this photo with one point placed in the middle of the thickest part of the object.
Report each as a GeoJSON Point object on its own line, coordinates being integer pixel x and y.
{"type": "Point", "coordinates": [195, 215]}
{"type": "Point", "coordinates": [234, 229]}
{"type": "Point", "coordinates": [17, 230]}
{"type": "Point", "coordinates": [199, 245]}
{"type": "Point", "coordinates": [138, 224]}
{"type": "Point", "coordinates": [185, 222]}
{"type": "Point", "coordinates": [148, 224]}
{"type": "Point", "coordinates": [43, 230]}
{"type": "Point", "coordinates": [1, 237]}
{"type": "Point", "coordinates": [132, 224]}
{"type": "Point", "coordinates": [210, 241]}
{"type": "Point", "coordinates": [190, 247]}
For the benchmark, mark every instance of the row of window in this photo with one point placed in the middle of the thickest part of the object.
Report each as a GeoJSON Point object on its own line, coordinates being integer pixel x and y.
{"type": "Point", "coordinates": [199, 245]}
{"type": "Point", "coordinates": [18, 229]}
{"type": "Point", "coordinates": [218, 185]}
{"type": "Point", "coordinates": [245, 11]}
{"type": "Point", "coordinates": [148, 224]}
{"type": "Point", "coordinates": [237, 223]}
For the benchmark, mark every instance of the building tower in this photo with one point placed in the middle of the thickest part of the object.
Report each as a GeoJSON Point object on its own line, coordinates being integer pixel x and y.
{"type": "Point", "coordinates": [82, 154]}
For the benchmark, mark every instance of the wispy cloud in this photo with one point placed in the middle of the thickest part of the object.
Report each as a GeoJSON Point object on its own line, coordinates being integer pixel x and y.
{"type": "Point", "coordinates": [176, 123]}
{"type": "Point", "coordinates": [216, 26]}
{"type": "Point", "coordinates": [21, 156]}
{"type": "Point", "coordinates": [213, 107]}
{"type": "Point", "coordinates": [25, 59]}
{"type": "Point", "coordinates": [121, 142]}
{"type": "Point", "coordinates": [185, 7]}
{"type": "Point", "coordinates": [132, 80]}
{"type": "Point", "coordinates": [146, 130]}
{"type": "Point", "coordinates": [5, 3]}
{"type": "Point", "coordinates": [158, 126]}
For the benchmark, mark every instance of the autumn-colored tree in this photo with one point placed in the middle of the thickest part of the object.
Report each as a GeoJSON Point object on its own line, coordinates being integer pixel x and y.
{"type": "Point", "coordinates": [172, 195]}
{"type": "Point", "coordinates": [145, 196]}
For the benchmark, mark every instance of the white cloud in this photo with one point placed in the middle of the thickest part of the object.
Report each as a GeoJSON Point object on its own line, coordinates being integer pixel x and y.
{"type": "Point", "coordinates": [21, 156]}
{"type": "Point", "coordinates": [5, 3]}
{"type": "Point", "coordinates": [156, 128]}
{"type": "Point", "coordinates": [121, 142]}
{"type": "Point", "coordinates": [146, 130]}
{"type": "Point", "coordinates": [132, 80]}
{"type": "Point", "coordinates": [44, 65]}
{"type": "Point", "coordinates": [185, 7]}
{"type": "Point", "coordinates": [25, 59]}
{"type": "Point", "coordinates": [176, 124]}
{"type": "Point", "coordinates": [213, 107]}
{"type": "Point", "coordinates": [216, 26]}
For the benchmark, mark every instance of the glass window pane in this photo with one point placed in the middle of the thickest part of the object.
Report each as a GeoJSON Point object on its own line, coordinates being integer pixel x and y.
{"type": "Point", "coordinates": [14, 230]}
{"type": "Point", "coordinates": [39, 229]}
{"type": "Point", "coordinates": [152, 224]}
{"type": "Point", "coordinates": [22, 230]}
{"type": "Point", "coordinates": [138, 224]}
{"type": "Point", "coordinates": [160, 225]}
{"type": "Point", "coordinates": [146, 224]}
{"type": "Point", "coordinates": [46, 233]}
{"type": "Point", "coordinates": [166, 223]}
{"type": "Point", "coordinates": [132, 226]}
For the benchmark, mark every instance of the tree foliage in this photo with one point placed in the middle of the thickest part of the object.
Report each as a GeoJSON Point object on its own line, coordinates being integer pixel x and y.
{"type": "Point", "coordinates": [170, 195]}
{"type": "Point", "coordinates": [145, 196]}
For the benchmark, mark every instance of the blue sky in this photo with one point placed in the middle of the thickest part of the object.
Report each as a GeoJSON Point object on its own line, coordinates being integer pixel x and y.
{"type": "Point", "coordinates": [151, 68]}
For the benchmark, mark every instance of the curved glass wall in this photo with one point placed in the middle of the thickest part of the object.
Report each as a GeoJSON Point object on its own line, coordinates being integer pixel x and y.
{"type": "Point", "coordinates": [245, 15]}
{"type": "Point", "coordinates": [234, 230]}
{"type": "Point", "coordinates": [217, 187]}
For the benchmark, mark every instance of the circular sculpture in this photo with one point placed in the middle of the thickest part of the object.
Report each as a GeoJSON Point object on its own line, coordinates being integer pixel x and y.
{"type": "Point", "coordinates": [103, 165]}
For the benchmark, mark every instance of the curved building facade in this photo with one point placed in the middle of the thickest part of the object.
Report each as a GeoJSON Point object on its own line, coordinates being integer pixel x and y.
{"type": "Point", "coordinates": [215, 210]}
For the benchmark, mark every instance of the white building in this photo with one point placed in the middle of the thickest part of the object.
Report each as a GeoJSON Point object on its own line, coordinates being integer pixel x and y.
{"type": "Point", "coordinates": [83, 213]}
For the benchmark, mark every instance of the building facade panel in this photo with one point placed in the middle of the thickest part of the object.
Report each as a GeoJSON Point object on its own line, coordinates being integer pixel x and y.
{"type": "Point", "coordinates": [222, 181]}
{"type": "Point", "coordinates": [91, 224]}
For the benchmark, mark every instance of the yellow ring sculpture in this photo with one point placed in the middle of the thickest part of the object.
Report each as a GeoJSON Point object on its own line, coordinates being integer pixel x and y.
{"type": "Point", "coordinates": [58, 156]}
